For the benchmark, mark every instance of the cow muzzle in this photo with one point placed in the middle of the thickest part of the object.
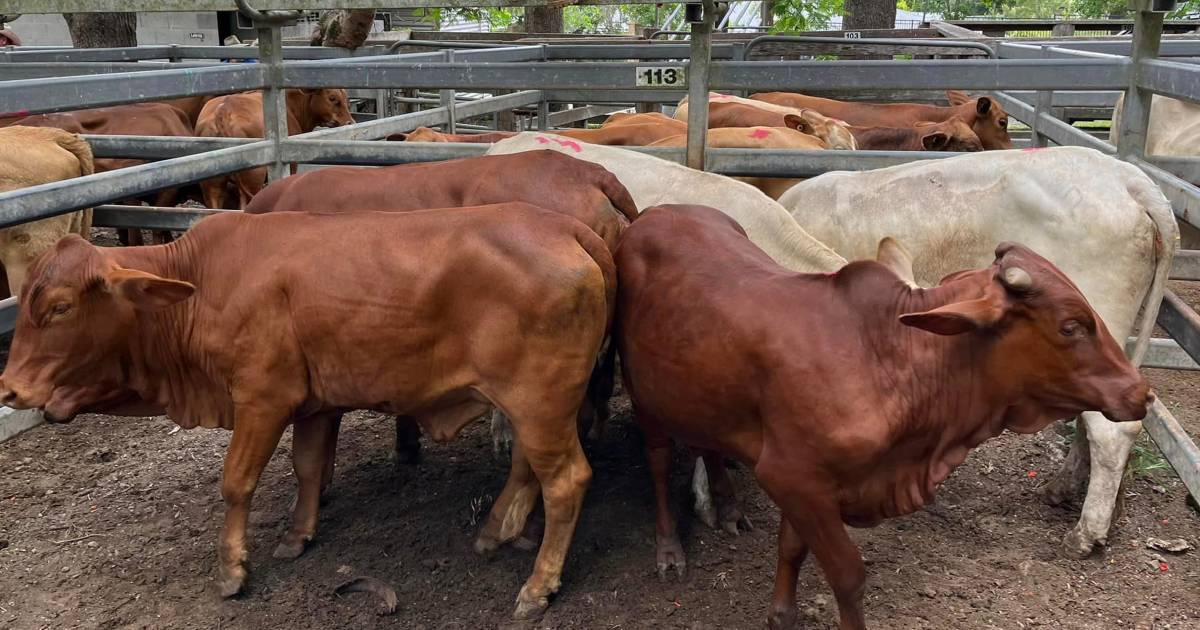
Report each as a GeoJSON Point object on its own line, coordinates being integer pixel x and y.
{"type": "Point", "coordinates": [1130, 404]}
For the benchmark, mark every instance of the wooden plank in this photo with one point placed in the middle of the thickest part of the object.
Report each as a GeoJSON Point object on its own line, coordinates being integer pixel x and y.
{"type": "Point", "coordinates": [952, 31]}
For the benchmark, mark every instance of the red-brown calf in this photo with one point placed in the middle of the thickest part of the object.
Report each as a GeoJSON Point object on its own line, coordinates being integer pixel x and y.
{"type": "Point", "coordinates": [851, 395]}
{"type": "Point", "coordinates": [251, 323]}
{"type": "Point", "coordinates": [985, 116]}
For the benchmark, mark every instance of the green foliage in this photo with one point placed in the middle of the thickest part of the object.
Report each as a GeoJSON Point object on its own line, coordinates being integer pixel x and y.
{"type": "Point", "coordinates": [804, 15]}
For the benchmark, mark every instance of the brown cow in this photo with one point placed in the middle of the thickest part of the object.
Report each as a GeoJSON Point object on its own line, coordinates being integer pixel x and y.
{"type": "Point", "coordinates": [136, 119]}
{"type": "Point", "coordinates": [623, 135]}
{"type": "Point", "coordinates": [577, 188]}
{"type": "Point", "coordinates": [191, 106]}
{"type": "Point", "coordinates": [950, 135]}
{"type": "Point", "coordinates": [852, 396]}
{"type": "Point", "coordinates": [758, 138]}
{"type": "Point", "coordinates": [627, 118]}
{"type": "Point", "coordinates": [985, 116]}
{"type": "Point", "coordinates": [252, 323]}
{"type": "Point", "coordinates": [835, 133]}
{"type": "Point", "coordinates": [241, 116]}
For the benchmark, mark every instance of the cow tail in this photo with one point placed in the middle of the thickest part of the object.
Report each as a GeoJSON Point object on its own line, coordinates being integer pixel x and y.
{"type": "Point", "coordinates": [618, 195]}
{"type": "Point", "coordinates": [1166, 241]}
{"type": "Point", "coordinates": [77, 146]}
{"type": "Point", "coordinates": [602, 381]}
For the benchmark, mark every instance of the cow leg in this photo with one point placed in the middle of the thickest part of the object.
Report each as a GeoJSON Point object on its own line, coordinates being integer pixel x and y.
{"type": "Point", "coordinates": [1109, 443]}
{"type": "Point", "coordinates": [507, 517]}
{"type": "Point", "coordinates": [702, 495]}
{"type": "Point", "coordinates": [254, 440]}
{"type": "Point", "coordinates": [213, 191]}
{"type": "Point", "coordinates": [1071, 478]}
{"type": "Point", "coordinates": [332, 428]}
{"type": "Point", "coordinates": [310, 454]}
{"type": "Point", "coordinates": [408, 441]}
{"type": "Point", "coordinates": [792, 552]}
{"type": "Point", "coordinates": [668, 551]}
{"type": "Point", "coordinates": [729, 513]}
{"type": "Point", "coordinates": [551, 446]}
{"type": "Point", "coordinates": [249, 183]}
{"type": "Point", "coordinates": [818, 521]}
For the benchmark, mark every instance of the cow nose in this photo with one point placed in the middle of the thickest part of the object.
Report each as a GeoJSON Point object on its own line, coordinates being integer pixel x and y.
{"type": "Point", "coordinates": [8, 397]}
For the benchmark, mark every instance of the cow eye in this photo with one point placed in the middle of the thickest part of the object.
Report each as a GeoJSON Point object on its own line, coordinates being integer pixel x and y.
{"type": "Point", "coordinates": [1004, 123]}
{"type": "Point", "coordinates": [1070, 328]}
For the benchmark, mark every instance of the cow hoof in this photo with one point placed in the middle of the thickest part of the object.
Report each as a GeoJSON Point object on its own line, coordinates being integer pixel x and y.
{"type": "Point", "coordinates": [289, 549]}
{"type": "Point", "coordinates": [782, 619]}
{"type": "Point", "coordinates": [732, 519]}
{"type": "Point", "coordinates": [1076, 546]}
{"type": "Point", "coordinates": [525, 543]}
{"type": "Point", "coordinates": [669, 554]}
{"type": "Point", "coordinates": [231, 581]}
{"type": "Point", "coordinates": [486, 545]}
{"type": "Point", "coordinates": [530, 607]}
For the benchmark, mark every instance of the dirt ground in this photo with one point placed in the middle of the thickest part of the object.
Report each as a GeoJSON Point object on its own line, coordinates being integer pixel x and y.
{"type": "Point", "coordinates": [112, 523]}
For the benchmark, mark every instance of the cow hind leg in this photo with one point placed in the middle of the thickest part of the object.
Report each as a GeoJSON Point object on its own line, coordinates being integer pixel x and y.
{"type": "Point", "coordinates": [729, 512]}
{"type": "Point", "coordinates": [1110, 444]}
{"type": "Point", "coordinates": [310, 437]}
{"type": "Point", "coordinates": [511, 510]}
{"type": "Point", "coordinates": [668, 550]}
{"type": "Point", "coordinates": [550, 444]}
{"type": "Point", "coordinates": [1072, 477]}
{"type": "Point", "coordinates": [213, 191]}
{"type": "Point", "coordinates": [408, 442]}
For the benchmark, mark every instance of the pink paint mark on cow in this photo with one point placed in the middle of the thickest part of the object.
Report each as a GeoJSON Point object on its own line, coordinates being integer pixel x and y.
{"type": "Point", "coordinates": [19, 112]}
{"type": "Point", "coordinates": [543, 140]}
{"type": "Point", "coordinates": [571, 144]}
{"type": "Point", "coordinates": [760, 133]}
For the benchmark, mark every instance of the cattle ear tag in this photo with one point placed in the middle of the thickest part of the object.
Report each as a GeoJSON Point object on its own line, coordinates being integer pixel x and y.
{"type": "Point", "coordinates": [146, 290]}
{"type": "Point", "coordinates": [955, 318]}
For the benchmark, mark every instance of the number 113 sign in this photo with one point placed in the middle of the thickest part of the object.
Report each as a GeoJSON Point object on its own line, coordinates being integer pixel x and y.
{"type": "Point", "coordinates": [660, 76]}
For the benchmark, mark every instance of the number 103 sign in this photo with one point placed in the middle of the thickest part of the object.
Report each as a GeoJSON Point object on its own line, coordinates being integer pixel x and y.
{"type": "Point", "coordinates": [661, 76]}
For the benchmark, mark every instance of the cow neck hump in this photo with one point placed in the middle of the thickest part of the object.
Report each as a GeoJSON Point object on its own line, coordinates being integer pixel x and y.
{"type": "Point", "coordinates": [167, 362]}
{"type": "Point", "coordinates": [936, 395]}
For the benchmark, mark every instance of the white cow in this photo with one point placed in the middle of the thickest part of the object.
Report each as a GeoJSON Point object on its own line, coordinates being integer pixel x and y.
{"type": "Point", "coordinates": [1174, 126]}
{"type": "Point", "coordinates": [1100, 220]}
{"type": "Point", "coordinates": [653, 181]}
{"type": "Point", "coordinates": [30, 156]}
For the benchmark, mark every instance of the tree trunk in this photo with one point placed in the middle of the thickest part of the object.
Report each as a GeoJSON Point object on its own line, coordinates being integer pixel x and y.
{"type": "Point", "coordinates": [864, 14]}
{"type": "Point", "coordinates": [343, 28]}
{"type": "Point", "coordinates": [543, 20]}
{"type": "Point", "coordinates": [102, 30]}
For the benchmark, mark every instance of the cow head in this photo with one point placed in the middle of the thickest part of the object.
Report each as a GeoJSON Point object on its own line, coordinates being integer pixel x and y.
{"type": "Point", "coordinates": [948, 135]}
{"type": "Point", "coordinates": [1047, 350]}
{"type": "Point", "coordinates": [77, 318]}
{"type": "Point", "coordinates": [328, 107]}
{"type": "Point", "coordinates": [834, 132]}
{"type": "Point", "coordinates": [988, 120]}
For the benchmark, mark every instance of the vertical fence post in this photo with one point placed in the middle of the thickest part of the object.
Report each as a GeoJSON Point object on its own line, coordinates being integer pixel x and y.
{"type": "Point", "coordinates": [270, 55]}
{"type": "Point", "coordinates": [1135, 114]}
{"type": "Point", "coordinates": [739, 54]}
{"type": "Point", "coordinates": [448, 101]}
{"type": "Point", "coordinates": [1042, 105]}
{"type": "Point", "coordinates": [543, 115]}
{"type": "Point", "coordinates": [701, 17]}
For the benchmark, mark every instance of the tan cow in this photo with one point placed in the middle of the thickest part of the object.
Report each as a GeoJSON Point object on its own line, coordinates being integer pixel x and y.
{"type": "Point", "coordinates": [757, 138]}
{"type": "Point", "coordinates": [241, 116]}
{"type": "Point", "coordinates": [621, 135]}
{"type": "Point", "coordinates": [30, 156]}
{"type": "Point", "coordinates": [834, 132]}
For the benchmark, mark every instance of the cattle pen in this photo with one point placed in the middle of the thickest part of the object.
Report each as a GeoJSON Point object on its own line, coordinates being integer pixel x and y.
{"type": "Point", "coordinates": [1035, 82]}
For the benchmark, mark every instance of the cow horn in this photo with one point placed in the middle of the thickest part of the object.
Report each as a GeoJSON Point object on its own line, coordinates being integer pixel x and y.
{"type": "Point", "coordinates": [1016, 279]}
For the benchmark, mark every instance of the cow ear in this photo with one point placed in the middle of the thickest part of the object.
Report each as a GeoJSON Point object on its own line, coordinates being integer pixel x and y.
{"type": "Point", "coordinates": [935, 141]}
{"type": "Point", "coordinates": [956, 318]}
{"type": "Point", "coordinates": [147, 291]}
{"type": "Point", "coordinates": [956, 97]}
{"type": "Point", "coordinates": [983, 105]}
{"type": "Point", "coordinates": [398, 137]}
{"type": "Point", "coordinates": [309, 91]}
{"type": "Point", "coordinates": [798, 122]}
